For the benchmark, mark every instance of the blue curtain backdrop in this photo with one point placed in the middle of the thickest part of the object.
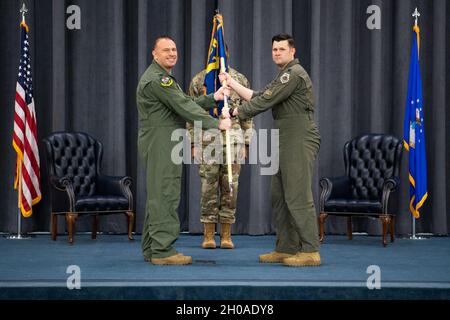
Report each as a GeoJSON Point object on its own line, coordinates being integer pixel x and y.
{"type": "Point", "coordinates": [85, 80]}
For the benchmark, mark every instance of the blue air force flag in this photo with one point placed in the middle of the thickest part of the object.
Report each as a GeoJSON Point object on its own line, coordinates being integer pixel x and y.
{"type": "Point", "coordinates": [217, 59]}
{"type": "Point", "coordinates": [414, 131]}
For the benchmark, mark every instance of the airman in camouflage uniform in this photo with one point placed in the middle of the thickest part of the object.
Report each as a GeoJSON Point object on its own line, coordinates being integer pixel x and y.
{"type": "Point", "coordinates": [215, 194]}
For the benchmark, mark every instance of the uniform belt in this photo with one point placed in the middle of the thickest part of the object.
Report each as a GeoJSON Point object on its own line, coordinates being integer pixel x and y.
{"type": "Point", "coordinates": [154, 124]}
{"type": "Point", "coordinates": [306, 115]}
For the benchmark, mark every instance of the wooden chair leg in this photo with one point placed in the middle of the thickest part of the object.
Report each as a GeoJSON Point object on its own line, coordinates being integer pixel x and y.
{"type": "Point", "coordinates": [349, 228]}
{"type": "Point", "coordinates": [54, 226]}
{"type": "Point", "coordinates": [94, 226]}
{"type": "Point", "coordinates": [385, 219]}
{"type": "Point", "coordinates": [130, 219]}
{"type": "Point", "coordinates": [322, 217]}
{"type": "Point", "coordinates": [392, 228]}
{"type": "Point", "coordinates": [71, 218]}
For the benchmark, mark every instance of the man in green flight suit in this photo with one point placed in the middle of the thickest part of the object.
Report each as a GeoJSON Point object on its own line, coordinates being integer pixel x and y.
{"type": "Point", "coordinates": [290, 96]}
{"type": "Point", "coordinates": [163, 107]}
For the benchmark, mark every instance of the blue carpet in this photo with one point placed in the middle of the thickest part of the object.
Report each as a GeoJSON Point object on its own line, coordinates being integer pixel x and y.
{"type": "Point", "coordinates": [113, 267]}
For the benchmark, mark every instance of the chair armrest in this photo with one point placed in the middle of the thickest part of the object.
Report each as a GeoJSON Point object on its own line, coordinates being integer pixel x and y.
{"type": "Point", "coordinates": [60, 183]}
{"type": "Point", "coordinates": [64, 184]}
{"type": "Point", "coordinates": [333, 188]}
{"type": "Point", "coordinates": [115, 185]}
{"type": "Point", "coordinates": [389, 186]}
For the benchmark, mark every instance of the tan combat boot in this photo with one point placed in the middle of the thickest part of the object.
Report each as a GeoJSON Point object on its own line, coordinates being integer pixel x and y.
{"type": "Point", "coordinates": [274, 257]}
{"type": "Point", "coordinates": [303, 259]}
{"type": "Point", "coordinates": [209, 230]}
{"type": "Point", "coordinates": [225, 236]}
{"type": "Point", "coordinates": [178, 259]}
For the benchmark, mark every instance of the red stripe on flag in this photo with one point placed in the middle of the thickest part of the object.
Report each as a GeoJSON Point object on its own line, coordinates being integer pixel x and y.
{"type": "Point", "coordinates": [21, 102]}
{"type": "Point", "coordinates": [25, 205]}
{"type": "Point", "coordinates": [18, 142]}
{"type": "Point", "coordinates": [19, 121]}
{"type": "Point", "coordinates": [27, 180]}
{"type": "Point", "coordinates": [31, 157]}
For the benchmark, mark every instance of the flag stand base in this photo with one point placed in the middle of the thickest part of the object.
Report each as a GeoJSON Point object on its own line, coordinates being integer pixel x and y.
{"type": "Point", "coordinates": [414, 237]}
{"type": "Point", "coordinates": [18, 237]}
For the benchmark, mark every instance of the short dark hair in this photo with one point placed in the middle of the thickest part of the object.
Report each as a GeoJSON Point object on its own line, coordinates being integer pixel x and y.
{"type": "Point", "coordinates": [283, 37]}
{"type": "Point", "coordinates": [161, 38]}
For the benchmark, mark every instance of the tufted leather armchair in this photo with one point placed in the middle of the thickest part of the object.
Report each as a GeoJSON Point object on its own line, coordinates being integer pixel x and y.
{"type": "Point", "coordinates": [78, 187]}
{"type": "Point", "coordinates": [372, 168]}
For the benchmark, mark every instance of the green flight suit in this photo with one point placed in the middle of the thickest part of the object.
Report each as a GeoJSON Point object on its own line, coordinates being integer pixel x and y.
{"type": "Point", "coordinates": [163, 107]}
{"type": "Point", "coordinates": [291, 98]}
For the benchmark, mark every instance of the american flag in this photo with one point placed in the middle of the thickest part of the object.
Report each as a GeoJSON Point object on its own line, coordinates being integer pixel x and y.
{"type": "Point", "coordinates": [25, 133]}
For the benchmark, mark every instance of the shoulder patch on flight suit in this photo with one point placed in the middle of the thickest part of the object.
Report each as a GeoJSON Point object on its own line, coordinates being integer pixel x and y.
{"type": "Point", "coordinates": [284, 78]}
{"type": "Point", "coordinates": [166, 81]}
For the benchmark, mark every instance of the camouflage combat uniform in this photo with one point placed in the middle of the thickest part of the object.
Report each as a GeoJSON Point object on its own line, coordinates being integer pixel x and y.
{"type": "Point", "coordinates": [215, 208]}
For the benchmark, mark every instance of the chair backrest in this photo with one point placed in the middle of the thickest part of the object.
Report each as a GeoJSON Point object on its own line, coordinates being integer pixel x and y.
{"type": "Point", "coordinates": [369, 160]}
{"type": "Point", "coordinates": [76, 155]}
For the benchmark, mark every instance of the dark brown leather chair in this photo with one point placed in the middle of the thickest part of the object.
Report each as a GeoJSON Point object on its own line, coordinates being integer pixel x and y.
{"type": "Point", "coordinates": [78, 187]}
{"type": "Point", "coordinates": [372, 169]}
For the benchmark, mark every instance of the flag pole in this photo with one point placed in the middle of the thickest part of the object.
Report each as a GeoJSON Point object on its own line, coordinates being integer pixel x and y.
{"type": "Point", "coordinates": [19, 236]}
{"type": "Point", "coordinates": [227, 138]}
{"type": "Point", "coordinates": [228, 143]}
{"type": "Point", "coordinates": [413, 236]}
{"type": "Point", "coordinates": [19, 200]}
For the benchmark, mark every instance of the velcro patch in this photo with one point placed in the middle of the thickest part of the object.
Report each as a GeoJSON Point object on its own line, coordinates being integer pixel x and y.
{"type": "Point", "coordinates": [166, 81]}
{"type": "Point", "coordinates": [284, 78]}
{"type": "Point", "coordinates": [267, 93]}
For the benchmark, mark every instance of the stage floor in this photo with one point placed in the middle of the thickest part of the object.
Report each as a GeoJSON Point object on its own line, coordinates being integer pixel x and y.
{"type": "Point", "coordinates": [112, 267]}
